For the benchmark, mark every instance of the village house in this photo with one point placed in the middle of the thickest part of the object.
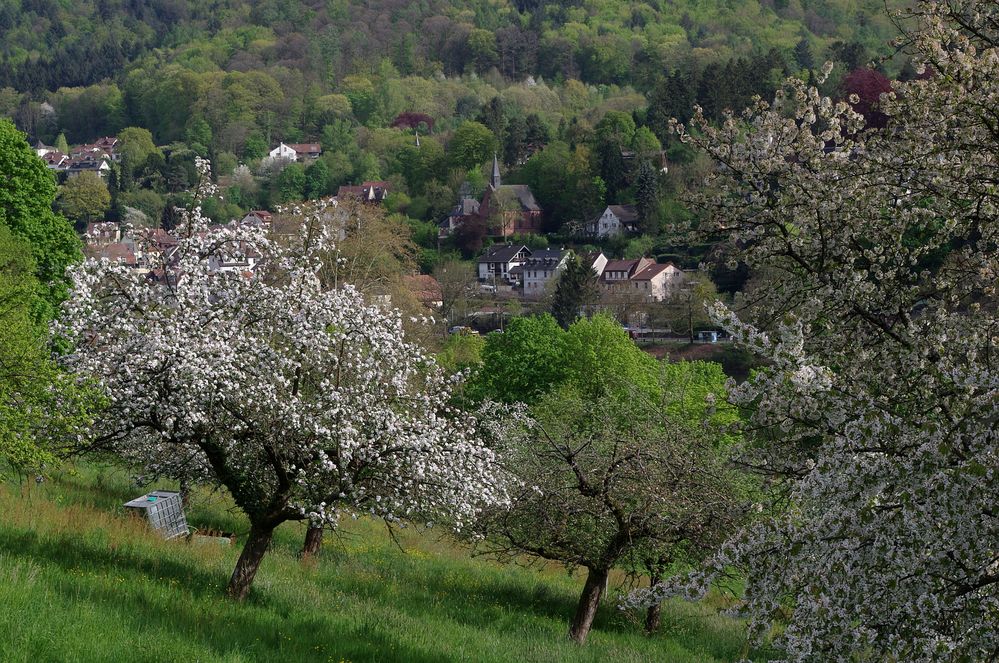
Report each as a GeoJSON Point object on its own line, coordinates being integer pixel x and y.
{"type": "Point", "coordinates": [300, 152]}
{"type": "Point", "coordinates": [55, 160]}
{"type": "Point", "coordinates": [614, 221]}
{"type": "Point", "coordinates": [102, 233]}
{"type": "Point", "coordinates": [367, 192]}
{"type": "Point", "coordinates": [466, 209]}
{"type": "Point", "coordinates": [92, 163]}
{"type": "Point", "coordinates": [241, 259]}
{"type": "Point", "coordinates": [618, 273]}
{"type": "Point", "coordinates": [41, 149]}
{"type": "Point", "coordinates": [257, 218]}
{"type": "Point", "coordinates": [119, 252]}
{"type": "Point", "coordinates": [654, 282]}
{"type": "Point", "coordinates": [509, 209]}
{"type": "Point", "coordinates": [497, 263]}
{"type": "Point", "coordinates": [541, 268]}
{"type": "Point", "coordinates": [596, 261]}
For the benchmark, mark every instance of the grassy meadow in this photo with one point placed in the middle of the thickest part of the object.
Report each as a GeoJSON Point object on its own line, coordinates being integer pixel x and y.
{"type": "Point", "coordinates": [81, 581]}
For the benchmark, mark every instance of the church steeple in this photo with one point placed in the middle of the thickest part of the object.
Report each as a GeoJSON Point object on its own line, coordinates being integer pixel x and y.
{"type": "Point", "coordinates": [495, 179]}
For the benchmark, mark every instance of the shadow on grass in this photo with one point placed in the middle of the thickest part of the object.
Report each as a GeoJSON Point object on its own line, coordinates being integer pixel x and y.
{"type": "Point", "coordinates": [489, 596]}
{"type": "Point", "coordinates": [74, 553]}
{"type": "Point", "coordinates": [262, 625]}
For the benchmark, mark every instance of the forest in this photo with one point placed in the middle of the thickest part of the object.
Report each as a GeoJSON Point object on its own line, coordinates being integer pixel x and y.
{"type": "Point", "coordinates": [229, 80]}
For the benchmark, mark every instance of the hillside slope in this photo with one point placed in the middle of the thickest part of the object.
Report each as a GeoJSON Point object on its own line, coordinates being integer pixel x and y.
{"type": "Point", "coordinates": [48, 44]}
{"type": "Point", "coordinates": [81, 582]}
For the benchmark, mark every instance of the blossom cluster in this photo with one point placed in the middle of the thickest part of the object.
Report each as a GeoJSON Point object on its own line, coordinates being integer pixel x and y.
{"type": "Point", "coordinates": [877, 254]}
{"type": "Point", "coordinates": [304, 401]}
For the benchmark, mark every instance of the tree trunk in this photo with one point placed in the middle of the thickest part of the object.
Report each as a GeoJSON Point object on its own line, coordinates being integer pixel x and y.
{"type": "Point", "coordinates": [653, 616]}
{"type": "Point", "coordinates": [249, 561]}
{"type": "Point", "coordinates": [589, 601]}
{"type": "Point", "coordinates": [185, 493]}
{"type": "Point", "coordinates": [313, 542]}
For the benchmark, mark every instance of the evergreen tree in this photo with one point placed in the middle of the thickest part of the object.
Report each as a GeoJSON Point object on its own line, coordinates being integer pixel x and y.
{"type": "Point", "coordinates": [576, 288]}
{"type": "Point", "coordinates": [537, 131]}
{"type": "Point", "coordinates": [803, 54]}
{"type": "Point", "coordinates": [673, 96]}
{"type": "Point", "coordinates": [514, 141]}
{"type": "Point", "coordinates": [493, 115]}
{"type": "Point", "coordinates": [647, 198]}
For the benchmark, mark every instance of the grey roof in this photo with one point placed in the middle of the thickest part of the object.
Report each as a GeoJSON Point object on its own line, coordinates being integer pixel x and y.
{"type": "Point", "coordinates": [626, 213]}
{"type": "Point", "coordinates": [467, 207]}
{"type": "Point", "coordinates": [503, 252]}
{"type": "Point", "coordinates": [516, 197]}
{"type": "Point", "coordinates": [495, 179]}
{"type": "Point", "coordinates": [543, 258]}
{"type": "Point", "coordinates": [547, 255]}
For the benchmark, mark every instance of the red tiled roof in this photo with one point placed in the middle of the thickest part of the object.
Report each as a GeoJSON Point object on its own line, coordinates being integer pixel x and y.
{"type": "Point", "coordinates": [119, 252]}
{"type": "Point", "coordinates": [305, 148]}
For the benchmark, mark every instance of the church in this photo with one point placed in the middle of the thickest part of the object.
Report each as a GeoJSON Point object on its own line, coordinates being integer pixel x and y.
{"type": "Point", "coordinates": [509, 209]}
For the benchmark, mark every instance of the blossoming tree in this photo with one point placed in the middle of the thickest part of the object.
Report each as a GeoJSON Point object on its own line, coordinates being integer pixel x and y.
{"type": "Point", "coordinates": [878, 409]}
{"type": "Point", "coordinates": [304, 402]}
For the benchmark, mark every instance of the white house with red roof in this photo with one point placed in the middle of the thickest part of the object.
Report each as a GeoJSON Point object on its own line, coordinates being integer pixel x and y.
{"type": "Point", "coordinates": [301, 152]}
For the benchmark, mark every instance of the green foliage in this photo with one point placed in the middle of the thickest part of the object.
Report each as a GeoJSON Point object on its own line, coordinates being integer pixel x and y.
{"type": "Point", "coordinates": [576, 288]}
{"type": "Point", "coordinates": [601, 360]}
{"type": "Point", "coordinates": [146, 201]}
{"type": "Point", "coordinates": [135, 147]}
{"type": "Point", "coordinates": [290, 183]}
{"type": "Point", "coordinates": [39, 407]}
{"type": "Point", "coordinates": [27, 191]}
{"type": "Point", "coordinates": [695, 391]}
{"type": "Point", "coordinates": [317, 180]}
{"type": "Point", "coordinates": [472, 145]}
{"type": "Point", "coordinates": [535, 355]}
{"type": "Point", "coordinates": [21, 355]}
{"type": "Point", "coordinates": [647, 198]}
{"type": "Point", "coordinates": [525, 361]}
{"type": "Point", "coordinates": [461, 351]}
{"type": "Point", "coordinates": [564, 183]}
{"type": "Point", "coordinates": [84, 197]}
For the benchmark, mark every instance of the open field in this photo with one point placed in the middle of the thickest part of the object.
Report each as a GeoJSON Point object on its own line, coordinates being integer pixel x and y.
{"type": "Point", "coordinates": [79, 581]}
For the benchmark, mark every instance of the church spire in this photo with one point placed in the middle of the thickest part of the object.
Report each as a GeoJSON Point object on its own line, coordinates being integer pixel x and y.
{"type": "Point", "coordinates": [495, 179]}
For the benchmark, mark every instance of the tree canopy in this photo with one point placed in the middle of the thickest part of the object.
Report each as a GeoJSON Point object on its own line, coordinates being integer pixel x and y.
{"type": "Point", "coordinates": [303, 401]}
{"type": "Point", "coordinates": [875, 414]}
{"type": "Point", "coordinates": [27, 190]}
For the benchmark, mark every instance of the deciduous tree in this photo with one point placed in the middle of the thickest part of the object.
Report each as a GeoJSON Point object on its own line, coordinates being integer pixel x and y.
{"type": "Point", "coordinates": [27, 191]}
{"type": "Point", "coordinates": [624, 480]}
{"type": "Point", "coordinates": [84, 197]}
{"type": "Point", "coordinates": [471, 145]}
{"type": "Point", "coordinates": [304, 402]}
{"type": "Point", "coordinates": [878, 408]}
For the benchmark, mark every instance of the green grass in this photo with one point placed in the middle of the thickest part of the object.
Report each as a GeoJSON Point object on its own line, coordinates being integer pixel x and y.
{"type": "Point", "coordinates": [79, 581]}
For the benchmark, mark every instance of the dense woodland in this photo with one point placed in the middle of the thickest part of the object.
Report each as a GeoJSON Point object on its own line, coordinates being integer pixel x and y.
{"type": "Point", "coordinates": [227, 80]}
